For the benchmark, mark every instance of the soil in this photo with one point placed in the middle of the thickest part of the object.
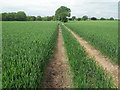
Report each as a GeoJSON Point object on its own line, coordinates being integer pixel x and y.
{"type": "Point", "coordinates": [100, 59]}
{"type": "Point", "coordinates": [57, 74]}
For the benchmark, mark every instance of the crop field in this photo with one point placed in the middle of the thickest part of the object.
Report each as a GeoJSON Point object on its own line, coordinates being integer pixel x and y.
{"type": "Point", "coordinates": [27, 47]}
{"type": "Point", "coordinates": [103, 35]}
{"type": "Point", "coordinates": [86, 72]}
{"type": "Point", "coordinates": [30, 46]}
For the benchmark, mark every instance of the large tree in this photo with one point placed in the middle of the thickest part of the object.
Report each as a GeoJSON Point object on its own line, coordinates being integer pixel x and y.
{"type": "Point", "coordinates": [21, 16]}
{"type": "Point", "coordinates": [62, 13]}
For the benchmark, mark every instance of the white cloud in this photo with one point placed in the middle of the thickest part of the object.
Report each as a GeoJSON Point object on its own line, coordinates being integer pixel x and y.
{"type": "Point", "coordinates": [98, 8]}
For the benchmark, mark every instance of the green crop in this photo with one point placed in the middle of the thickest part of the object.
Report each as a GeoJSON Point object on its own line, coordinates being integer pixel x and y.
{"type": "Point", "coordinates": [86, 73]}
{"type": "Point", "coordinates": [103, 35]}
{"type": "Point", "coordinates": [27, 48]}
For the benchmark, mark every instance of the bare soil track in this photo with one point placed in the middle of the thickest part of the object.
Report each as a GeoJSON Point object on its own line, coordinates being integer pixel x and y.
{"type": "Point", "coordinates": [99, 58]}
{"type": "Point", "coordinates": [57, 74]}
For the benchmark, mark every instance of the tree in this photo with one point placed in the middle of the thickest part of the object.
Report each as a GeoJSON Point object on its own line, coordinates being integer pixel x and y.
{"type": "Point", "coordinates": [0, 16]}
{"type": "Point", "coordinates": [21, 16]}
{"type": "Point", "coordinates": [44, 18]}
{"type": "Point", "coordinates": [73, 18]}
{"type": "Point", "coordinates": [53, 18]}
{"type": "Point", "coordinates": [50, 18]}
{"type": "Point", "coordinates": [111, 18]}
{"type": "Point", "coordinates": [39, 18]}
{"type": "Point", "coordinates": [102, 18]}
{"type": "Point", "coordinates": [62, 13]}
{"type": "Point", "coordinates": [93, 18]}
{"type": "Point", "coordinates": [31, 18]}
{"type": "Point", "coordinates": [4, 17]}
{"type": "Point", "coordinates": [85, 18]}
{"type": "Point", "coordinates": [11, 16]}
{"type": "Point", "coordinates": [79, 19]}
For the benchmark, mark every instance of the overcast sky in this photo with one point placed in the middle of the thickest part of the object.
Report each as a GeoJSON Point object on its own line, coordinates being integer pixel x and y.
{"type": "Point", "coordinates": [97, 8]}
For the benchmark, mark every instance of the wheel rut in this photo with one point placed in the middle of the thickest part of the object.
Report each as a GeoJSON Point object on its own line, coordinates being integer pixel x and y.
{"type": "Point", "coordinates": [100, 59]}
{"type": "Point", "coordinates": [57, 74]}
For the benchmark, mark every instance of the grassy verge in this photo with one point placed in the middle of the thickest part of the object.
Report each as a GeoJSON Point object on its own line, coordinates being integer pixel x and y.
{"type": "Point", "coordinates": [86, 73]}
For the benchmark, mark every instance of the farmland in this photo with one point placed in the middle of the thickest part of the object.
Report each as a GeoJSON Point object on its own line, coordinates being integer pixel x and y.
{"type": "Point", "coordinates": [103, 35]}
{"type": "Point", "coordinates": [86, 72]}
{"type": "Point", "coordinates": [27, 48]}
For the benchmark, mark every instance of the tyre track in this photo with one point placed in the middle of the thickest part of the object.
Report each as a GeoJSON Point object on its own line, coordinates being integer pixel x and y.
{"type": "Point", "coordinates": [99, 58]}
{"type": "Point", "coordinates": [57, 74]}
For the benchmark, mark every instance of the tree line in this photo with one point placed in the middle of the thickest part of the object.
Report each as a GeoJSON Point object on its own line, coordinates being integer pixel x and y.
{"type": "Point", "coordinates": [21, 16]}
{"type": "Point", "coordinates": [61, 14]}
{"type": "Point", "coordinates": [87, 18]}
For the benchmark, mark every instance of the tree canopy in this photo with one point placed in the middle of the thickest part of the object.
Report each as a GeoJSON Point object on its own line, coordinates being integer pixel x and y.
{"type": "Point", "coordinates": [111, 18]}
{"type": "Point", "coordinates": [102, 18]}
{"type": "Point", "coordinates": [79, 19]}
{"type": "Point", "coordinates": [62, 13]}
{"type": "Point", "coordinates": [73, 18]}
{"type": "Point", "coordinates": [21, 16]}
{"type": "Point", "coordinates": [85, 18]}
{"type": "Point", "coordinates": [39, 18]}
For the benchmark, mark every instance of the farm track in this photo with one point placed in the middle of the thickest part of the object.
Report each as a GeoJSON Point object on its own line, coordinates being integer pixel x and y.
{"type": "Point", "coordinates": [57, 74]}
{"type": "Point", "coordinates": [99, 58]}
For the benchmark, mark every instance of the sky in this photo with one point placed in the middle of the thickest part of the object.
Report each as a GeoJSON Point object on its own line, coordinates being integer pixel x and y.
{"type": "Point", "coordinates": [79, 8]}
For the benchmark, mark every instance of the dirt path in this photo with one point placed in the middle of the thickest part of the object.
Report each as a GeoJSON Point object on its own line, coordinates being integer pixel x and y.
{"type": "Point", "coordinates": [58, 71]}
{"type": "Point", "coordinates": [99, 58]}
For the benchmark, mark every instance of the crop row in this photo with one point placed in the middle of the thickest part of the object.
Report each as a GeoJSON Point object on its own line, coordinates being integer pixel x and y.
{"type": "Point", "coordinates": [102, 35]}
{"type": "Point", "coordinates": [27, 48]}
{"type": "Point", "coordinates": [86, 74]}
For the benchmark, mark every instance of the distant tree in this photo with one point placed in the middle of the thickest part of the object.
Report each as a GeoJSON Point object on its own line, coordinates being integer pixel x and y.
{"type": "Point", "coordinates": [39, 18]}
{"type": "Point", "coordinates": [62, 13]}
{"type": "Point", "coordinates": [31, 18]}
{"type": "Point", "coordinates": [93, 18]}
{"type": "Point", "coordinates": [4, 17]}
{"type": "Point", "coordinates": [44, 18]}
{"type": "Point", "coordinates": [0, 16]}
{"type": "Point", "coordinates": [49, 18]}
{"type": "Point", "coordinates": [79, 19]}
{"type": "Point", "coordinates": [21, 16]}
{"type": "Point", "coordinates": [85, 18]}
{"type": "Point", "coordinates": [111, 18]}
{"type": "Point", "coordinates": [102, 18]}
{"type": "Point", "coordinates": [11, 16]}
{"type": "Point", "coordinates": [73, 18]}
{"type": "Point", "coordinates": [53, 18]}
